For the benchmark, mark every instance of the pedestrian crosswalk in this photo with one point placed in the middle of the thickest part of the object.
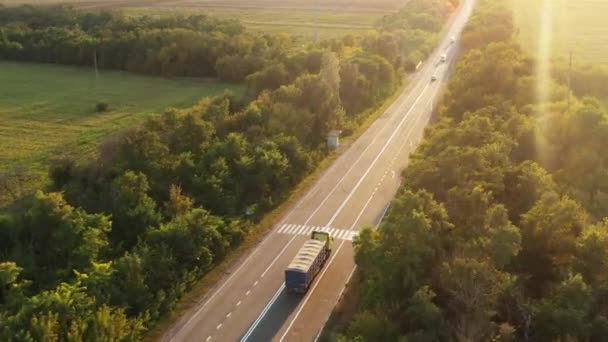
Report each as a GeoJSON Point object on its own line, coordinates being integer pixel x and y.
{"type": "Point", "coordinates": [300, 229]}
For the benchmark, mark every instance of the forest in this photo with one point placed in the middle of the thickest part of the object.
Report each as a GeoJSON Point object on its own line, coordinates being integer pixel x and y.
{"type": "Point", "coordinates": [108, 249]}
{"type": "Point", "coordinates": [499, 231]}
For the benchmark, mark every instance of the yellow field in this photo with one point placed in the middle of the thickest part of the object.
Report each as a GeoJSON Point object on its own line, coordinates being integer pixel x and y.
{"type": "Point", "coordinates": [577, 25]}
{"type": "Point", "coordinates": [335, 17]}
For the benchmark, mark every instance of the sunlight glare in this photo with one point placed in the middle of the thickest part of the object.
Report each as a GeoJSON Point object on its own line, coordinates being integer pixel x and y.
{"type": "Point", "coordinates": [543, 71]}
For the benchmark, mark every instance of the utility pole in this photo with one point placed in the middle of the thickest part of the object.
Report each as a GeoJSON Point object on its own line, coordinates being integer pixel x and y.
{"type": "Point", "coordinates": [569, 80]}
{"type": "Point", "coordinates": [315, 34]}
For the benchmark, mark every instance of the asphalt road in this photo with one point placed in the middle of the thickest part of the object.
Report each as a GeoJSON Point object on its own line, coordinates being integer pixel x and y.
{"type": "Point", "coordinates": [251, 304]}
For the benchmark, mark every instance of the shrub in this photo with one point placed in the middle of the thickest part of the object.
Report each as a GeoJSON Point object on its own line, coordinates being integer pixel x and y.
{"type": "Point", "coordinates": [102, 106]}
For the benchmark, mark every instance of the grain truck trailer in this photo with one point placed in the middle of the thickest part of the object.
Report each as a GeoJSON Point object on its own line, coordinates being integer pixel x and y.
{"type": "Point", "coordinates": [308, 262]}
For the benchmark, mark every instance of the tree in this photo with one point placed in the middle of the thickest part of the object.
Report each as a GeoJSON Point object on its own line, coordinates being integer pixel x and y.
{"type": "Point", "coordinates": [415, 233]}
{"type": "Point", "coordinates": [354, 88]}
{"type": "Point", "coordinates": [565, 313]}
{"type": "Point", "coordinates": [426, 322]}
{"type": "Point", "coordinates": [524, 185]}
{"type": "Point", "coordinates": [372, 327]}
{"type": "Point", "coordinates": [502, 240]}
{"type": "Point", "coordinates": [9, 275]}
{"type": "Point", "coordinates": [57, 238]}
{"type": "Point", "coordinates": [194, 239]}
{"type": "Point", "coordinates": [549, 233]}
{"type": "Point", "coordinates": [592, 255]}
{"type": "Point", "coordinates": [133, 211]}
{"type": "Point", "coordinates": [330, 71]}
{"type": "Point", "coordinates": [178, 203]}
{"type": "Point", "coordinates": [474, 287]}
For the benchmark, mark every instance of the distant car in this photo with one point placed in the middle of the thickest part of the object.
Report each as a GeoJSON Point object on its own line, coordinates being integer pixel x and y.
{"type": "Point", "coordinates": [444, 57]}
{"type": "Point", "coordinates": [453, 39]}
{"type": "Point", "coordinates": [433, 78]}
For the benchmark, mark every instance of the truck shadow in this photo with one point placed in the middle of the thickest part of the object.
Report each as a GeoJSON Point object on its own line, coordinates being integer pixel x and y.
{"type": "Point", "coordinates": [275, 319]}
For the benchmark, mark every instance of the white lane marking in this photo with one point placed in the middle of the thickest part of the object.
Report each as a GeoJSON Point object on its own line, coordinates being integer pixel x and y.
{"type": "Point", "coordinates": [302, 200]}
{"type": "Point", "coordinates": [208, 338]}
{"type": "Point", "coordinates": [326, 228]}
{"type": "Point", "coordinates": [228, 315]}
{"type": "Point", "coordinates": [292, 229]}
{"type": "Point", "coordinates": [349, 236]}
{"type": "Point", "coordinates": [371, 166]}
{"type": "Point", "coordinates": [317, 280]}
{"type": "Point", "coordinates": [247, 293]}
{"type": "Point", "coordinates": [256, 282]}
{"type": "Point", "coordinates": [384, 147]}
{"type": "Point", "coordinates": [278, 255]}
{"type": "Point", "coordinates": [219, 326]}
{"type": "Point", "coordinates": [352, 272]}
{"type": "Point", "coordinates": [331, 232]}
{"type": "Point", "coordinates": [309, 194]}
{"type": "Point", "coordinates": [350, 276]}
{"type": "Point", "coordinates": [288, 227]}
{"type": "Point", "coordinates": [284, 227]}
{"type": "Point", "coordinates": [308, 230]}
{"type": "Point", "coordinates": [239, 303]}
{"type": "Point", "coordinates": [340, 234]}
{"type": "Point", "coordinates": [301, 230]}
{"type": "Point", "coordinates": [316, 187]}
{"type": "Point", "coordinates": [257, 321]}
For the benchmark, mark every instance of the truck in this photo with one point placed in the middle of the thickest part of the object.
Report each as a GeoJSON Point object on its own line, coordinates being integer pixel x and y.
{"type": "Point", "coordinates": [308, 262]}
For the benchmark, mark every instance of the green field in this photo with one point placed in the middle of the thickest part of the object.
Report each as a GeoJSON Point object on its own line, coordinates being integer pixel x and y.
{"type": "Point", "coordinates": [46, 110]}
{"type": "Point", "coordinates": [577, 25]}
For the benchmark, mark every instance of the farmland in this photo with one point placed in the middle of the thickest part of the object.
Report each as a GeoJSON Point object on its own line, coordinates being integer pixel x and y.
{"type": "Point", "coordinates": [336, 17]}
{"type": "Point", "coordinates": [50, 110]}
{"type": "Point", "coordinates": [578, 25]}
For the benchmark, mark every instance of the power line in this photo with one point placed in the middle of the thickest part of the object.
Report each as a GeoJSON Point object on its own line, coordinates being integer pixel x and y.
{"type": "Point", "coordinates": [569, 80]}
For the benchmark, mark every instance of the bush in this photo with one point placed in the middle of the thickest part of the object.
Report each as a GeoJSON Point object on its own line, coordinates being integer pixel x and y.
{"type": "Point", "coordinates": [102, 106]}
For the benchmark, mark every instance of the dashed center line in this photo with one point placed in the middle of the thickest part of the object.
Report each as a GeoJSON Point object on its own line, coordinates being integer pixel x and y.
{"type": "Point", "coordinates": [239, 303]}
{"type": "Point", "coordinates": [208, 338]}
{"type": "Point", "coordinates": [247, 293]}
{"type": "Point", "coordinates": [228, 315]}
{"type": "Point", "coordinates": [256, 282]}
{"type": "Point", "coordinates": [218, 326]}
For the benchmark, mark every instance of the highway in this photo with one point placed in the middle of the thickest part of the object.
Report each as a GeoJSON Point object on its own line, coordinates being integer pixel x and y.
{"type": "Point", "coordinates": [250, 303]}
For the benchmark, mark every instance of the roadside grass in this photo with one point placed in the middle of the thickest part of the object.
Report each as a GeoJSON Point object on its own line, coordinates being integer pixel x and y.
{"type": "Point", "coordinates": [578, 26]}
{"type": "Point", "coordinates": [48, 111]}
{"type": "Point", "coordinates": [202, 288]}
